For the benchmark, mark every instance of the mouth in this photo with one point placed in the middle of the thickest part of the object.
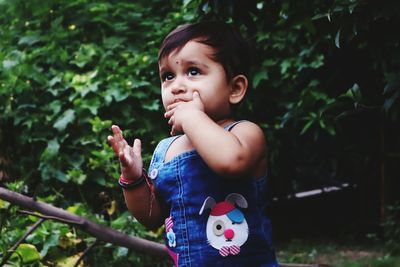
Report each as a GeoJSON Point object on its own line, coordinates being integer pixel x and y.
{"type": "Point", "coordinates": [228, 240]}
{"type": "Point", "coordinates": [179, 100]}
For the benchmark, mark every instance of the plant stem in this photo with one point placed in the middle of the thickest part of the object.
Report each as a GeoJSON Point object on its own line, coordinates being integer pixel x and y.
{"type": "Point", "coordinates": [11, 251]}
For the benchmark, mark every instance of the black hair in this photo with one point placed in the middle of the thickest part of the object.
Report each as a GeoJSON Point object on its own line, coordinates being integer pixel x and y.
{"type": "Point", "coordinates": [231, 50]}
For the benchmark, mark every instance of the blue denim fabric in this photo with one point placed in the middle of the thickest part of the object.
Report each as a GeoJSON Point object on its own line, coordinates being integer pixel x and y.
{"type": "Point", "coordinates": [184, 183]}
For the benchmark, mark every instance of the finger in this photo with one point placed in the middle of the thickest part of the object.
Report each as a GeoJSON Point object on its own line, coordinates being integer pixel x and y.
{"type": "Point", "coordinates": [171, 121]}
{"type": "Point", "coordinates": [116, 130]}
{"type": "Point", "coordinates": [114, 145]}
{"type": "Point", "coordinates": [168, 114]}
{"type": "Point", "coordinates": [174, 105]}
{"type": "Point", "coordinates": [197, 98]}
{"type": "Point", "coordinates": [111, 141]}
{"type": "Point", "coordinates": [117, 133]}
{"type": "Point", "coordinates": [119, 140]}
{"type": "Point", "coordinates": [137, 148]}
{"type": "Point", "coordinates": [173, 132]}
{"type": "Point", "coordinates": [120, 144]}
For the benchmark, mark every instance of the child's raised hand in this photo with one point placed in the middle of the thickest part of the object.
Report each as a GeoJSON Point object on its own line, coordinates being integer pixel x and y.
{"type": "Point", "coordinates": [178, 112]}
{"type": "Point", "coordinates": [130, 157]}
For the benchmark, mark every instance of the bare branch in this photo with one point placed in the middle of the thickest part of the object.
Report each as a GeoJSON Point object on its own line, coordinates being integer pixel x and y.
{"type": "Point", "coordinates": [101, 232]}
{"type": "Point", "coordinates": [11, 250]}
{"type": "Point", "coordinates": [79, 223]}
{"type": "Point", "coordinates": [86, 252]}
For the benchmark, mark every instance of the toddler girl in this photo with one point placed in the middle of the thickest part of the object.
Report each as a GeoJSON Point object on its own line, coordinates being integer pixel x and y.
{"type": "Point", "coordinates": [207, 183]}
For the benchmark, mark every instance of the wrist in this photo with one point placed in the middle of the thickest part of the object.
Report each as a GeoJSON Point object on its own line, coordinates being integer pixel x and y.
{"type": "Point", "coordinates": [131, 173]}
{"type": "Point", "coordinates": [132, 183]}
{"type": "Point", "coordinates": [192, 118]}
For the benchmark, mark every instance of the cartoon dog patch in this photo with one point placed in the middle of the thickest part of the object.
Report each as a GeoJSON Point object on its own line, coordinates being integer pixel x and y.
{"type": "Point", "coordinates": [227, 229]}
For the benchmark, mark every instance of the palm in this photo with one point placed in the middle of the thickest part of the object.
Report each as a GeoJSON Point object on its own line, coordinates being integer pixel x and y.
{"type": "Point", "coordinates": [132, 165]}
{"type": "Point", "coordinates": [129, 156]}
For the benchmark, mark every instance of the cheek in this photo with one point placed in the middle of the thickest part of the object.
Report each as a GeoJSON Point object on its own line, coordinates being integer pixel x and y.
{"type": "Point", "coordinates": [166, 98]}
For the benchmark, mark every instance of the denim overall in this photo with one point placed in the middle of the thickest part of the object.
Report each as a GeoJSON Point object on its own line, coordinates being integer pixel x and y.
{"type": "Point", "coordinates": [184, 183]}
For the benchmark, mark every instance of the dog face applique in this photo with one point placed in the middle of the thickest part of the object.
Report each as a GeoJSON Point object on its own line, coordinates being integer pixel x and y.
{"type": "Point", "coordinates": [227, 228]}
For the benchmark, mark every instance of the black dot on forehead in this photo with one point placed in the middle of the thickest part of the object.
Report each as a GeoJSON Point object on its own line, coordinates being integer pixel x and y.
{"type": "Point", "coordinates": [177, 62]}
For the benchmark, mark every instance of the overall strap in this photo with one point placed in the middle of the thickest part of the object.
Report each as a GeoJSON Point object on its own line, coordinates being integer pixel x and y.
{"type": "Point", "coordinates": [233, 124]}
{"type": "Point", "coordinates": [161, 149]}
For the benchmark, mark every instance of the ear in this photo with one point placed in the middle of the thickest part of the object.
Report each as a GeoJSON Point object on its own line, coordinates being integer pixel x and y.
{"type": "Point", "coordinates": [209, 203]}
{"type": "Point", "coordinates": [238, 199]}
{"type": "Point", "coordinates": [239, 85]}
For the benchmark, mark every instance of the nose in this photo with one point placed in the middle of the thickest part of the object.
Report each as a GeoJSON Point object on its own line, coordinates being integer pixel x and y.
{"type": "Point", "coordinates": [229, 233]}
{"type": "Point", "coordinates": [179, 86]}
{"type": "Point", "coordinates": [178, 90]}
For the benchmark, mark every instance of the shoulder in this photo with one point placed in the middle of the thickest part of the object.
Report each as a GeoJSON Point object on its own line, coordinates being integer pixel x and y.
{"type": "Point", "coordinates": [246, 124]}
{"type": "Point", "coordinates": [248, 130]}
{"type": "Point", "coordinates": [252, 137]}
{"type": "Point", "coordinates": [167, 141]}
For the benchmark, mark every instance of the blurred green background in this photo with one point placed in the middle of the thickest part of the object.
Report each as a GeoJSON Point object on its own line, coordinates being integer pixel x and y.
{"type": "Point", "coordinates": [325, 88]}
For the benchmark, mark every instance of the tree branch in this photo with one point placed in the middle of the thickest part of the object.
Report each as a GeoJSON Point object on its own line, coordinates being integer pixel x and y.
{"type": "Point", "coordinates": [11, 251]}
{"type": "Point", "coordinates": [87, 250]}
{"type": "Point", "coordinates": [58, 219]}
{"type": "Point", "coordinates": [101, 232]}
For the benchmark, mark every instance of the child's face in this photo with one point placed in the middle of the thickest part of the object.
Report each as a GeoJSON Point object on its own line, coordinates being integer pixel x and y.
{"type": "Point", "coordinates": [192, 69]}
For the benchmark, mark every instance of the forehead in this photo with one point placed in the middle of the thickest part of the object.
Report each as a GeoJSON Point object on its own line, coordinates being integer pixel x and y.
{"type": "Point", "coordinates": [192, 50]}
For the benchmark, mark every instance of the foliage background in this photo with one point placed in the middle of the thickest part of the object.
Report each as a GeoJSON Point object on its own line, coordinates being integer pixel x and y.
{"type": "Point", "coordinates": [325, 88]}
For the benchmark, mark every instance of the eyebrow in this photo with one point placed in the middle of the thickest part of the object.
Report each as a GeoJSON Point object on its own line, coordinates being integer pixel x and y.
{"type": "Point", "coordinates": [196, 63]}
{"type": "Point", "coordinates": [188, 62]}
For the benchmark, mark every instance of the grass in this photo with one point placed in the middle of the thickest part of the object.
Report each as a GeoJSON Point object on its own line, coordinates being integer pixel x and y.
{"type": "Point", "coordinates": [335, 253]}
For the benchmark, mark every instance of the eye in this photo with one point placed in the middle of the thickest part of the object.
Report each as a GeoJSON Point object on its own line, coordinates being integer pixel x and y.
{"type": "Point", "coordinates": [193, 71]}
{"type": "Point", "coordinates": [218, 227]}
{"type": "Point", "coordinates": [167, 76]}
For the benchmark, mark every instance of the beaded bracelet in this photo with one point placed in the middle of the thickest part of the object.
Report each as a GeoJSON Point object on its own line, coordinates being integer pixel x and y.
{"type": "Point", "coordinates": [126, 184]}
{"type": "Point", "coordinates": [144, 178]}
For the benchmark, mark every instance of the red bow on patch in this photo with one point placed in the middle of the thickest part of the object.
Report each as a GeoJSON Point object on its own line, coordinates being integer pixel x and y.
{"type": "Point", "coordinates": [233, 250]}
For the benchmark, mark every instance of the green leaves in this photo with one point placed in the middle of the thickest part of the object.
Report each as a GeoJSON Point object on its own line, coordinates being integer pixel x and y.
{"type": "Point", "coordinates": [66, 118]}
{"type": "Point", "coordinates": [71, 69]}
{"type": "Point", "coordinates": [25, 254]}
{"type": "Point", "coordinates": [29, 40]}
{"type": "Point", "coordinates": [76, 176]}
{"type": "Point", "coordinates": [99, 125]}
{"type": "Point", "coordinates": [84, 55]}
{"type": "Point", "coordinates": [51, 150]}
{"type": "Point", "coordinates": [354, 93]}
{"type": "Point", "coordinates": [258, 77]}
{"type": "Point", "coordinates": [13, 58]}
{"type": "Point", "coordinates": [68, 71]}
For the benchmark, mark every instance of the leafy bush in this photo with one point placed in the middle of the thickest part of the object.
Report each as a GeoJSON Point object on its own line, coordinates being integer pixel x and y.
{"type": "Point", "coordinates": [325, 89]}
{"type": "Point", "coordinates": [391, 229]}
{"type": "Point", "coordinates": [69, 70]}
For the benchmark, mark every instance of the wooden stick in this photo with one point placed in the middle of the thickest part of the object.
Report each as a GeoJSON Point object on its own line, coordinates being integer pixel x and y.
{"type": "Point", "coordinates": [103, 233]}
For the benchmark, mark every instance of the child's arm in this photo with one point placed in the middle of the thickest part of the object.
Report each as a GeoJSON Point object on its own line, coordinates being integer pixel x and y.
{"type": "Point", "coordinates": [236, 153]}
{"type": "Point", "coordinates": [147, 210]}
